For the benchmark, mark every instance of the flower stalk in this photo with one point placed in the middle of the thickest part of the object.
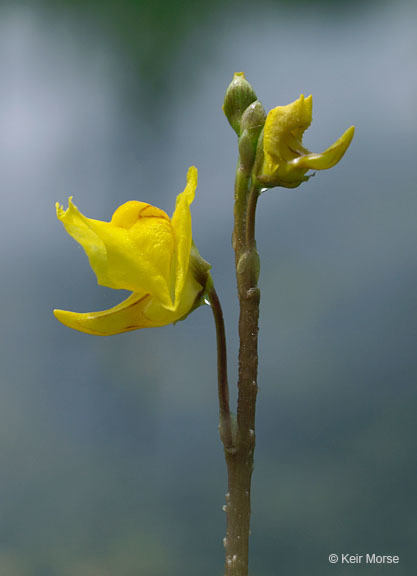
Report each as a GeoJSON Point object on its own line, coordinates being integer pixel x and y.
{"type": "Point", "coordinates": [225, 424]}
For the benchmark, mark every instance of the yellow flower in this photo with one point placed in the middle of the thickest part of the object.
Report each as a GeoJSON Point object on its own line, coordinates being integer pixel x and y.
{"type": "Point", "coordinates": [142, 250]}
{"type": "Point", "coordinates": [285, 160]}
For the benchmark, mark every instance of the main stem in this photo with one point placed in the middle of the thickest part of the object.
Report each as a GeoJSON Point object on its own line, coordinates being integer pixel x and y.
{"type": "Point", "coordinates": [240, 461]}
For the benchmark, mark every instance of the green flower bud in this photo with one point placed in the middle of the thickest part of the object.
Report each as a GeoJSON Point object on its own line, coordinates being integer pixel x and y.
{"type": "Point", "coordinates": [253, 120]}
{"type": "Point", "coordinates": [239, 96]}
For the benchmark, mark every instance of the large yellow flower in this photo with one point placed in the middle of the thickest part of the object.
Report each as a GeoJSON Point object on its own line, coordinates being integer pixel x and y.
{"type": "Point", "coordinates": [285, 160]}
{"type": "Point", "coordinates": [142, 250]}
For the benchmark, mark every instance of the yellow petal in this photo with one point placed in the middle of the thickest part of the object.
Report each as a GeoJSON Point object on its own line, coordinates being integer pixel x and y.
{"type": "Point", "coordinates": [161, 315]}
{"type": "Point", "coordinates": [181, 225]}
{"type": "Point", "coordinates": [286, 160]}
{"type": "Point", "coordinates": [127, 215]}
{"type": "Point", "coordinates": [329, 157]}
{"type": "Point", "coordinates": [132, 252]}
{"type": "Point", "coordinates": [284, 128]}
{"type": "Point", "coordinates": [137, 311]}
{"type": "Point", "coordinates": [79, 227]}
{"type": "Point", "coordinates": [126, 316]}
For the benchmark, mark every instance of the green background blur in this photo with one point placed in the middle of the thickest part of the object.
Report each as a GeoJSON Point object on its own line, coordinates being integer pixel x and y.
{"type": "Point", "coordinates": [111, 463]}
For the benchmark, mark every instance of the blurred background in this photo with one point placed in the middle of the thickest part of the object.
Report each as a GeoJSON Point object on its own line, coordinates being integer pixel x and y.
{"type": "Point", "coordinates": [110, 458]}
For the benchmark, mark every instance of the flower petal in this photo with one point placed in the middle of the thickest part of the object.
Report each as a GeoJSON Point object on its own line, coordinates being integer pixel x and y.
{"type": "Point", "coordinates": [79, 227]}
{"type": "Point", "coordinates": [329, 157]}
{"type": "Point", "coordinates": [160, 315]}
{"type": "Point", "coordinates": [181, 225]}
{"type": "Point", "coordinates": [126, 316]}
{"type": "Point", "coordinates": [284, 128]}
{"type": "Point", "coordinates": [132, 252]}
{"type": "Point", "coordinates": [127, 215]}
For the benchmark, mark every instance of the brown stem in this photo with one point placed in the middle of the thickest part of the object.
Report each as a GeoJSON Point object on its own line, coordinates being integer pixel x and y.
{"type": "Point", "coordinates": [240, 463]}
{"type": "Point", "coordinates": [222, 382]}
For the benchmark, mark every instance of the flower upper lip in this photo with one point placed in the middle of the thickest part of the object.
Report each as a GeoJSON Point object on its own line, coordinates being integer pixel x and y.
{"type": "Point", "coordinates": [285, 159]}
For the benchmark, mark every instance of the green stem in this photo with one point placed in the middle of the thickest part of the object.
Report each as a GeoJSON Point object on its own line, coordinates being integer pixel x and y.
{"type": "Point", "coordinates": [250, 219]}
{"type": "Point", "coordinates": [240, 208]}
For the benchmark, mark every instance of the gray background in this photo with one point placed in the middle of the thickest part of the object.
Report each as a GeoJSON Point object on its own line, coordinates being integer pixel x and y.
{"type": "Point", "coordinates": [110, 457]}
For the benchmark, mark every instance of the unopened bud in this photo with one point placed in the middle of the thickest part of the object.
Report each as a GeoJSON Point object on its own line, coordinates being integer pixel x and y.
{"type": "Point", "coordinates": [239, 96]}
{"type": "Point", "coordinates": [253, 120]}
